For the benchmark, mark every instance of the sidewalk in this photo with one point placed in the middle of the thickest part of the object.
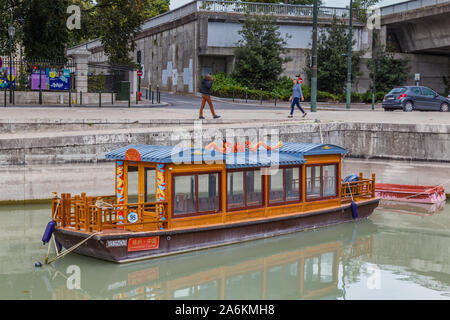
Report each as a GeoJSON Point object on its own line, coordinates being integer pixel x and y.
{"type": "Point", "coordinates": [332, 106]}
{"type": "Point", "coordinates": [173, 115]}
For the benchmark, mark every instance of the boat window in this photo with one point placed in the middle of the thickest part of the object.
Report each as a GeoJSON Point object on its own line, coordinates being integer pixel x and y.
{"type": "Point", "coordinates": [235, 192]}
{"type": "Point", "coordinates": [208, 192]}
{"type": "Point", "coordinates": [185, 195]}
{"type": "Point", "coordinates": [133, 184]}
{"type": "Point", "coordinates": [276, 186]}
{"type": "Point", "coordinates": [329, 180]}
{"type": "Point", "coordinates": [254, 188]}
{"type": "Point", "coordinates": [321, 181]}
{"type": "Point", "coordinates": [284, 185]}
{"type": "Point", "coordinates": [150, 184]}
{"type": "Point", "coordinates": [292, 184]}
{"type": "Point", "coordinates": [244, 189]}
{"type": "Point", "coordinates": [196, 194]}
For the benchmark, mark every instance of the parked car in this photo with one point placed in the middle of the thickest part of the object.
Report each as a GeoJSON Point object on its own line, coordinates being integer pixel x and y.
{"type": "Point", "coordinates": [409, 98]}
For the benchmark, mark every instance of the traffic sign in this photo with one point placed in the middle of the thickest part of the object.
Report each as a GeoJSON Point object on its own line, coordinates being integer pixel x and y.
{"type": "Point", "coordinates": [300, 80]}
{"type": "Point", "coordinates": [140, 73]}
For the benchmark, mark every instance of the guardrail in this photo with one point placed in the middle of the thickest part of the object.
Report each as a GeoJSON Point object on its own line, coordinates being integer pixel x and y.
{"type": "Point", "coordinates": [98, 213]}
{"type": "Point", "coordinates": [243, 7]}
{"type": "Point", "coordinates": [364, 188]}
{"type": "Point", "coordinates": [409, 5]}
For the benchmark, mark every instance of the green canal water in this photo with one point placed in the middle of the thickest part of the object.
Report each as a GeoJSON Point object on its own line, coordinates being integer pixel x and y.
{"type": "Point", "coordinates": [398, 253]}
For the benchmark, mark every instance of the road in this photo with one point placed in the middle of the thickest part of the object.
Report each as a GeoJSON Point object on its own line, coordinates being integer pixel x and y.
{"type": "Point", "coordinates": [180, 108]}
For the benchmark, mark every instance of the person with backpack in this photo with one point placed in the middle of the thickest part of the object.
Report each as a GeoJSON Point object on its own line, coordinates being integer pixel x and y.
{"type": "Point", "coordinates": [297, 94]}
{"type": "Point", "coordinates": [205, 90]}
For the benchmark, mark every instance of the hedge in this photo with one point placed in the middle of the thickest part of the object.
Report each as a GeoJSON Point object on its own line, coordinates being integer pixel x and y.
{"type": "Point", "coordinates": [225, 86]}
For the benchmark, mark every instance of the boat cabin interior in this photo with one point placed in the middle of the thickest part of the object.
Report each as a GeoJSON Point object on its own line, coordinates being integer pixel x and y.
{"type": "Point", "coordinates": [164, 187]}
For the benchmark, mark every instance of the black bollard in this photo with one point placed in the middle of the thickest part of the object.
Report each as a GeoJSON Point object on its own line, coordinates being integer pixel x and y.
{"type": "Point", "coordinates": [260, 96]}
{"type": "Point", "coordinates": [81, 97]}
{"type": "Point", "coordinates": [99, 99]}
{"type": "Point", "coordinates": [70, 98]}
{"type": "Point", "coordinates": [246, 94]}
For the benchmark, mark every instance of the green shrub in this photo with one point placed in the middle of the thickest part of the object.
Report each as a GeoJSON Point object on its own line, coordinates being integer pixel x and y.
{"type": "Point", "coordinates": [225, 86]}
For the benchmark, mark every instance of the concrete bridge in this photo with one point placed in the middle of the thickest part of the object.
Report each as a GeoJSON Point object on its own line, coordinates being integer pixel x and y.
{"type": "Point", "coordinates": [419, 26]}
{"type": "Point", "coordinates": [419, 31]}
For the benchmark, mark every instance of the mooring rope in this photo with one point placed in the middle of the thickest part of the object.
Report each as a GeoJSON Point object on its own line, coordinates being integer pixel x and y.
{"type": "Point", "coordinates": [101, 204]}
{"type": "Point", "coordinates": [68, 250]}
{"type": "Point", "coordinates": [420, 193]}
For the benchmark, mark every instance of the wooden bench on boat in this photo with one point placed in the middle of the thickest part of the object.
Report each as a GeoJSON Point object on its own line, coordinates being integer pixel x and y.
{"type": "Point", "coordinates": [171, 200]}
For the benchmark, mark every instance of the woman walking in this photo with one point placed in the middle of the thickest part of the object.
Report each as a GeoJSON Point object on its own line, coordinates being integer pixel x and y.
{"type": "Point", "coordinates": [205, 90]}
{"type": "Point", "coordinates": [297, 94]}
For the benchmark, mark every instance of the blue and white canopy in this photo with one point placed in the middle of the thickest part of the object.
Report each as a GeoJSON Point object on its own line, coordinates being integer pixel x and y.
{"type": "Point", "coordinates": [288, 154]}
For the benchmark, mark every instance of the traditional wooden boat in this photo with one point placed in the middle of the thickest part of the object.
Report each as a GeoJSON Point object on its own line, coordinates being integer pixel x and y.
{"type": "Point", "coordinates": [410, 193]}
{"type": "Point", "coordinates": [172, 200]}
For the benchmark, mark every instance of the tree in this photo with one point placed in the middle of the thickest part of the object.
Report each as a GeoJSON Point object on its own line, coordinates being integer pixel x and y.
{"type": "Point", "coordinates": [332, 50]}
{"type": "Point", "coordinates": [119, 21]}
{"type": "Point", "coordinates": [45, 33]}
{"type": "Point", "coordinates": [88, 30]}
{"type": "Point", "coordinates": [8, 7]}
{"type": "Point", "coordinates": [389, 72]}
{"type": "Point", "coordinates": [259, 60]}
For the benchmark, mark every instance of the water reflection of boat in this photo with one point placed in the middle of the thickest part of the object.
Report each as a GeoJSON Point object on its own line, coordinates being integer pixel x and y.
{"type": "Point", "coordinates": [301, 265]}
{"type": "Point", "coordinates": [421, 209]}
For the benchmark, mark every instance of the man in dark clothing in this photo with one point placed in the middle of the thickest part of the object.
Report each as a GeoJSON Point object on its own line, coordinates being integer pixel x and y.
{"type": "Point", "coordinates": [205, 90]}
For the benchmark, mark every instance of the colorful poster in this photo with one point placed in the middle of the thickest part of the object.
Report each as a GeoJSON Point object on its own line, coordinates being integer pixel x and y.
{"type": "Point", "coordinates": [51, 79]}
{"type": "Point", "coordinates": [35, 81]}
{"type": "Point", "coordinates": [7, 79]}
{"type": "Point", "coordinates": [57, 80]}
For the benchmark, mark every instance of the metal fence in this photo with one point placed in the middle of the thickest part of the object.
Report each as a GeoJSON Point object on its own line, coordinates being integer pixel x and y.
{"type": "Point", "coordinates": [410, 5]}
{"type": "Point", "coordinates": [45, 75]}
{"type": "Point", "coordinates": [242, 8]}
{"type": "Point", "coordinates": [268, 8]}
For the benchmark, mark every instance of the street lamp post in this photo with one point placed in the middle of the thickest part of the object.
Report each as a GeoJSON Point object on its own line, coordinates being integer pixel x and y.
{"type": "Point", "coordinates": [11, 33]}
{"type": "Point", "coordinates": [314, 60]}
{"type": "Point", "coordinates": [349, 57]}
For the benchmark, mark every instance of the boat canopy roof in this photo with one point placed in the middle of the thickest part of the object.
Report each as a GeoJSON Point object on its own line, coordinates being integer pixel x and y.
{"type": "Point", "coordinates": [259, 156]}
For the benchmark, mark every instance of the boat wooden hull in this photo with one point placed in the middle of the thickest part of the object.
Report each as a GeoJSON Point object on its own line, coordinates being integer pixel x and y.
{"type": "Point", "coordinates": [133, 246]}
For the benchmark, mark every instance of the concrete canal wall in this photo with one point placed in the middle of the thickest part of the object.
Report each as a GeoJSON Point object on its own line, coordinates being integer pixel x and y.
{"type": "Point", "coordinates": [35, 163]}
{"type": "Point", "coordinates": [362, 140]}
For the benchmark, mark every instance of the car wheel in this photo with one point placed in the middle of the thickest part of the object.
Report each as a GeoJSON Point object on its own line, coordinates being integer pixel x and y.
{"type": "Point", "coordinates": [444, 107]}
{"type": "Point", "coordinates": [408, 107]}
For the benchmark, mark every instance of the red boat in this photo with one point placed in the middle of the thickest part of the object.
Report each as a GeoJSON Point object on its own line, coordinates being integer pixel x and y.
{"type": "Point", "coordinates": [410, 193]}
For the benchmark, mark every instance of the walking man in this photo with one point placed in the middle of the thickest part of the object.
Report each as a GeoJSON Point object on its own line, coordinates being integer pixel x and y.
{"type": "Point", "coordinates": [297, 94]}
{"type": "Point", "coordinates": [205, 90]}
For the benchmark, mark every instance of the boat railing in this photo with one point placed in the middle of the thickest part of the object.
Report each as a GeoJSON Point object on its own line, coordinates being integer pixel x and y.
{"type": "Point", "coordinates": [99, 213]}
{"type": "Point", "coordinates": [364, 188]}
